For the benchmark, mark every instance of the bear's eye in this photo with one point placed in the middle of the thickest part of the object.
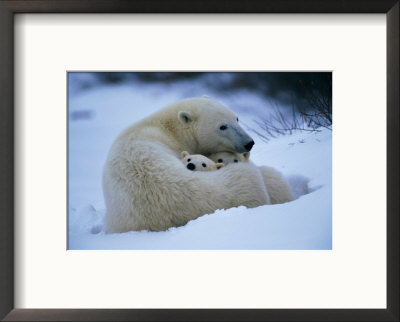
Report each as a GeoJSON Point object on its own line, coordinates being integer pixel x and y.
{"type": "Point", "coordinates": [204, 165]}
{"type": "Point", "coordinates": [189, 160]}
{"type": "Point", "coordinates": [223, 127]}
{"type": "Point", "coordinates": [237, 119]}
{"type": "Point", "coordinates": [220, 160]}
{"type": "Point", "coordinates": [235, 160]}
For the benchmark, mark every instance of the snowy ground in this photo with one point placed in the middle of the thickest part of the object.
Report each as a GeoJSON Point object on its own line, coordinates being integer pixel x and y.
{"type": "Point", "coordinates": [98, 114]}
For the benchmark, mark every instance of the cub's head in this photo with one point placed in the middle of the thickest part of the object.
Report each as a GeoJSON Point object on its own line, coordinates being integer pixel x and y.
{"type": "Point", "coordinates": [229, 157]}
{"type": "Point", "coordinates": [213, 126]}
{"type": "Point", "coordinates": [198, 162]}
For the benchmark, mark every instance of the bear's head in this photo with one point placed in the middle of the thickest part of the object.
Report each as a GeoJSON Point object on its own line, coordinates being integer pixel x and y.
{"type": "Point", "coordinates": [213, 126]}
{"type": "Point", "coordinates": [229, 157]}
{"type": "Point", "coordinates": [198, 162]}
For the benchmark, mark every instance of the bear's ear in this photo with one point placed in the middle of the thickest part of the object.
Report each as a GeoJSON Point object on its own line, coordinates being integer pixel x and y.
{"type": "Point", "coordinates": [184, 154]}
{"type": "Point", "coordinates": [219, 165]}
{"type": "Point", "coordinates": [246, 156]}
{"type": "Point", "coordinates": [205, 96]}
{"type": "Point", "coordinates": [185, 117]}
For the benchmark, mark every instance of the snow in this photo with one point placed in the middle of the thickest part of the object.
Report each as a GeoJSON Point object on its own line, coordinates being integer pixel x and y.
{"type": "Point", "coordinates": [98, 113]}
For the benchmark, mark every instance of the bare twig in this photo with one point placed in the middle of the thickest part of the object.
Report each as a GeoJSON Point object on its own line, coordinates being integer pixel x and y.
{"type": "Point", "coordinates": [280, 123]}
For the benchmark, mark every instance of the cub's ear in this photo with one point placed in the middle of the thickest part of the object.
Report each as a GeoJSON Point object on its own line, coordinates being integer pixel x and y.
{"type": "Point", "coordinates": [246, 156]}
{"type": "Point", "coordinates": [184, 154]}
{"type": "Point", "coordinates": [219, 165]}
{"type": "Point", "coordinates": [205, 96]}
{"type": "Point", "coordinates": [185, 117]}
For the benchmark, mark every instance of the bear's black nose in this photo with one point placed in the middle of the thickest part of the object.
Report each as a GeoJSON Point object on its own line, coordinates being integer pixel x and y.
{"type": "Point", "coordinates": [249, 145]}
{"type": "Point", "coordinates": [191, 166]}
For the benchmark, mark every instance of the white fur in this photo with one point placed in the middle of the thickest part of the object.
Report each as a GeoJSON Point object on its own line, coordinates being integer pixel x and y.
{"type": "Point", "coordinates": [199, 162]}
{"type": "Point", "coordinates": [145, 184]}
{"type": "Point", "coordinates": [276, 185]}
{"type": "Point", "coordinates": [278, 188]}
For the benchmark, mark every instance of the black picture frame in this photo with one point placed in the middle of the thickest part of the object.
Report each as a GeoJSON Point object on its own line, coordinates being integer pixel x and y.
{"type": "Point", "coordinates": [8, 8]}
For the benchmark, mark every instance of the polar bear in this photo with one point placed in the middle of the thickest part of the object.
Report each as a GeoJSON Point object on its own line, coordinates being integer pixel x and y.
{"type": "Point", "coordinates": [145, 184]}
{"type": "Point", "coordinates": [277, 186]}
{"type": "Point", "coordinates": [198, 162]}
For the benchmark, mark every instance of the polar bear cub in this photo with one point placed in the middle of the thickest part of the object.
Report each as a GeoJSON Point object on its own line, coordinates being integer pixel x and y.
{"type": "Point", "coordinates": [277, 186]}
{"type": "Point", "coordinates": [198, 162]}
{"type": "Point", "coordinates": [230, 157]}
